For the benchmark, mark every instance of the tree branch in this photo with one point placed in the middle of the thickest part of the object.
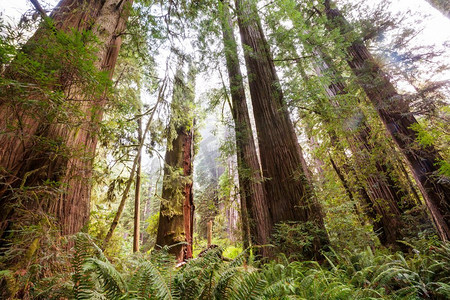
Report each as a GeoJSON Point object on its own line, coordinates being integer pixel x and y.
{"type": "Point", "coordinates": [39, 8]}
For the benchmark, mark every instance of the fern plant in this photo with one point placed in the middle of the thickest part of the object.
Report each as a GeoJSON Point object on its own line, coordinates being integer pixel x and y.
{"type": "Point", "coordinates": [347, 275]}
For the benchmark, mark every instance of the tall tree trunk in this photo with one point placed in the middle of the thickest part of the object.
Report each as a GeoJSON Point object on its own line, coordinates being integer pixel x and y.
{"type": "Point", "coordinates": [254, 203]}
{"type": "Point", "coordinates": [395, 114]}
{"type": "Point", "coordinates": [386, 197]}
{"type": "Point", "coordinates": [176, 207]}
{"type": "Point", "coordinates": [176, 219]}
{"type": "Point", "coordinates": [36, 148]}
{"type": "Point", "coordinates": [137, 194]}
{"type": "Point", "coordinates": [386, 223]}
{"type": "Point", "coordinates": [288, 190]}
{"type": "Point", "coordinates": [188, 205]}
{"type": "Point", "coordinates": [380, 199]}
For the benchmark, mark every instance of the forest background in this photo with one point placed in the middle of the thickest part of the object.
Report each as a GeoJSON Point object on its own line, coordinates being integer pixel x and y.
{"type": "Point", "coordinates": [174, 51]}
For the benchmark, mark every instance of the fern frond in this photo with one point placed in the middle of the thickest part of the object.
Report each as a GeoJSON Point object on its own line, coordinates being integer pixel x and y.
{"type": "Point", "coordinates": [112, 282]}
{"type": "Point", "coordinates": [150, 281]}
{"type": "Point", "coordinates": [282, 287]}
{"type": "Point", "coordinates": [249, 286]}
{"type": "Point", "coordinates": [224, 286]}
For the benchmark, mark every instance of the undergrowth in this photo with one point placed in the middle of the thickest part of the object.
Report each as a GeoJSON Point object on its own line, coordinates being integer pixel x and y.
{"type": "Point", "coordinates": [423, 274]}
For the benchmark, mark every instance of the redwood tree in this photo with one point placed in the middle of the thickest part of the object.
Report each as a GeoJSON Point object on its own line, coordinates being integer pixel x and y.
{"type": "Point", "coordinates": [251, 188]}
{"type": "Point", "coordinates": [399, 121]}
{"type": "Point", "coordinates": [176, 219]}
{"type": "Point", "coordinates": [288, 190]}
{"type": "Point", "coordinates": [48, 139]}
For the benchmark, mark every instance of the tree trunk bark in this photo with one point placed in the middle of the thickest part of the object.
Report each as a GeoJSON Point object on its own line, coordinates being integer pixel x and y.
{"type": "Point", "coordinates": [385, 198]}
{"type": "Point", "coordinates": [188, 206]}
{"type": "Point", "coordinates": [176, 219]}
{"type": "Point", "coordinates": [254, 204]}
{"type": "Point", "coordinates": [398, 120]}
{"type": "Point", "coordinates": [288, 190]}
{"type": "Point", "coordinates": [175, 214]}
{"type": "Point", "coordinates": [34, 148]}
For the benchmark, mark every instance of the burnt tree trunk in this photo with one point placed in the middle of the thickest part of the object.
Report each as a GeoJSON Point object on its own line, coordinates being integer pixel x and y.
{"type": "Point", "coordinates": [36, 148]}
{"type": "Point", "coordinates": [398, 120]}
{"type": "Point", "coordinates": [251, 187]}
{"type": "Point", "coordinates": [288, 190]}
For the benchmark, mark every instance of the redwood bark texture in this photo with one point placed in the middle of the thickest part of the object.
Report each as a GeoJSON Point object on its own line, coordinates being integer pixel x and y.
{"type": "Point", "coordinates": [176, 219]}
{"type": "Point", "coordinates": [398, 120]}
{"type": "Point", "coordinates": [30, 143]}
{"type": "Point", "coordinates": [251, 187]}
{"type": "Point", "coordinates": [385, 196]}
{"type": "Point", "coordinates": [177, 208]}
{"type": "Point", "coordinates": [289, 193]}
{"type": "Point", "coordinates": [188, 205]}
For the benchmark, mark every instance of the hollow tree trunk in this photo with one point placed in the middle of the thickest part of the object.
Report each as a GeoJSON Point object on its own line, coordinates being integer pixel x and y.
{"type": "Point", "coordinates": [38, 152]}
{"type": "Point", "coordinates": [251, 187]}
{"type": "Point", "coordinates": [398, 120]}
{"type": "Point", "coordinates": [288, 190]}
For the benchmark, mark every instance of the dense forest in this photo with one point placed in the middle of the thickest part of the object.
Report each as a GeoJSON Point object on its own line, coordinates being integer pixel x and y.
{"type": "Point", "coordinates": [187, 149]}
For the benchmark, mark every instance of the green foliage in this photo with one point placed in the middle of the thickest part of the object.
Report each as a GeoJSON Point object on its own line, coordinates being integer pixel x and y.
{"type": "Point", "coordinates": [423, 274]}
{"type": "Point", "coordinates": [33, 263]}
{"type": "Point", "coordinates": [232, 252]}
{"type": "Point", "coordinates": [40, 75]}
{"type": "Point", "coordinates": [296, 239]}
{"type": "Point", "coordinates": [152, 227]}
{"type": "Point", "coordinates": [433, 133]}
